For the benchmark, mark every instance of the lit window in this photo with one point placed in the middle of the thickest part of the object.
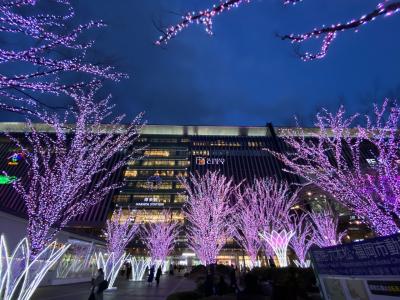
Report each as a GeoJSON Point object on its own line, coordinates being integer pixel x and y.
{"type": "Point", "coordinates": [130, 173]}
{"type": "Point", "coordinates": [180, 198]}
{"type": "Point", "coordinates": [162, 153]}
{"type": "Point", "coordinates": [122, 198]}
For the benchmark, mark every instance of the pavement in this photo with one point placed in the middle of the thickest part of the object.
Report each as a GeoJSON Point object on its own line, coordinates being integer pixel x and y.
{"type": "Point", "coordinates": [125, 290]}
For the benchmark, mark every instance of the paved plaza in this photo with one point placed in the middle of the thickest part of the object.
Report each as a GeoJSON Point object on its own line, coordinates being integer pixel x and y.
{"type": "Point", "coordinates": [126, 290]}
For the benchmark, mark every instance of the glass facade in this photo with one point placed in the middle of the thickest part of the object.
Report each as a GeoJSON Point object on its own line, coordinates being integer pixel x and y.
{"type": "Point", "coordinates": [151, 184]}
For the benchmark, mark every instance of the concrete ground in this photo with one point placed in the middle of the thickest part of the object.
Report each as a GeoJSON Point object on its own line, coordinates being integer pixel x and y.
{"type": "Point", "coordinates": [125, 290]}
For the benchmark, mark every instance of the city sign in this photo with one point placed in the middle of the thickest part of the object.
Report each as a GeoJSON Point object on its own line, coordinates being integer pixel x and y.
{"type": "Point", "coordinates": [368, 269]}
{"type": "Point", "coordinates": [202, 161]}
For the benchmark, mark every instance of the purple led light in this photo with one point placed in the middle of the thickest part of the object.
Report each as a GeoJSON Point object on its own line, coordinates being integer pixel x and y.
{"type": "Point", "coordinates": [208, 213]}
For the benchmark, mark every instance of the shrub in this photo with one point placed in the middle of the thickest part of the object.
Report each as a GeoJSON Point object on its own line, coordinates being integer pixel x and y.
{"type": "Point", "coordinates": [281, 276]}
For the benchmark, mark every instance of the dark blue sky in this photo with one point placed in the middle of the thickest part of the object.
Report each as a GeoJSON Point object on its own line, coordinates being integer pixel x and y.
{"type": "Point", "coordinates": [244, 75]}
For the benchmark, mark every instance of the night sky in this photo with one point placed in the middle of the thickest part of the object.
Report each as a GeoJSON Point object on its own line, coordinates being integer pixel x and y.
{"type": "Point", "coordinates": [244, 75]}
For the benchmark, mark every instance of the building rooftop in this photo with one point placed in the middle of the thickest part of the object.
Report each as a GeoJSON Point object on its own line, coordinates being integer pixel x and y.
{"type": "Point", "coordinates": [189, 130]}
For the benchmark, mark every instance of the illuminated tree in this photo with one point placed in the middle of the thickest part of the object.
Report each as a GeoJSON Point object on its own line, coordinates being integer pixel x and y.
{"type": "Point", "coordinates": [248, 218]}
{"type": "Point", "coordinates": [64, 161]}
{"type": "Point", "coordinates": [52, 56]}
{"type": "Point", "coordinates": [326, 227]}
{"type": "Point", "coordinates": [159, 238]}
{"type": "Point", "coordinates": [119, 232]}
{"type": "Point", "coordinates": [303, 238]}
{"type": "Point", "coordinates": [208, 211]}
{"type": "Point", "coordinates": [278, 200]}
{"type": "Point", "coordinates": [279, 241]}
{"type": "Point", "coordinates": [205, 17]}
{"type": "Point", "coordinates": [335, 158]}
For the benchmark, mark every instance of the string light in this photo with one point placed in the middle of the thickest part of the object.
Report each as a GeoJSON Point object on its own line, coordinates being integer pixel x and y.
{"type": "Point", "coordinates": [279, 242]}
{"type": "Point", "coordinates": [249, 217]}
{"type": "Point", "coordinates": [19, 274]}
{"type": "Point", "coordinates": [62, 165]}
{"type": "Point", "coordinates": [326, 228]}
{"type": "Point", "coordinates": [118, 233]}
{"type": "Point", "coordinates": [208, 213]}
{"type": "Point", "coordinates": [329, 33]}
{"type": "Point", "coordinates": [44, 31]}
{"type": "Point", "coordinates": [204, 17]}
{"type": "Point", "coordinates": [332, 159]}
{"type": "Point", "coordinates": [159, 238]}
{"type": "Point", "coordinates": [139, 265]}
{"type": "Point", "coordinates": [303, 238]}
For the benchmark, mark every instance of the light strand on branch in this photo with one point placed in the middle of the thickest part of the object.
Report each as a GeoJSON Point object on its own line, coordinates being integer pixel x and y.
{"type": "Point", "coordinates": [326, 227]}
{"type": "Point", "coordinates": [159, 237]}
{"type": "Point", "coordinates": [204, 17]}
{"type": "Point", "coordinates": [208, 212]}
{"type": "Point", "coordinates": [248, 219]}
{"type": "Point", "coordinates": [303, 238]}
{"type": "Point", "coordinates": [119, 232]}
{"type": "Point", "coordinates": [357, 165]}
{"type": "Point", "coordinates": [52, 51]}
{"type": "Point", "coordinates": [64, 162]}
{"type": "Point", "coordinates": [329, 33]}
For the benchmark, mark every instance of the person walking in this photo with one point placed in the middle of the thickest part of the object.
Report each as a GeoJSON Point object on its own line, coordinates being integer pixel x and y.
{"type": "Point", "coordinates": [232, 277]}
{"type": "Point", "coordinates": [99, 285]}
{"type": "Point", "coordinates": [158, 275]}
{"type": "Point", "coordinates": [128, 270]}
{"type": "Point", "coordinates": [150, 278]}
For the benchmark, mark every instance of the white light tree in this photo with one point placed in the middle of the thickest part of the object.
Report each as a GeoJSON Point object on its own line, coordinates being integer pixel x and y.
{"type": "Point", "coordinates": [62, 164]}
{"type": "Point", "coordinates": [64, 160]}
{"type": "Point", "coordinates": [303, 238]}
{"type": "Point", "coordinates": [279, 198]}
{"type": "Point", "coordinates": [208, 212]}
{"type": "Point", "coordinates": [119, 231]}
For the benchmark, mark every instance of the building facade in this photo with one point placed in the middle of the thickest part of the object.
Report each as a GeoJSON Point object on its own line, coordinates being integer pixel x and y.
{"type": "Point", "coordinates": [151, 182]}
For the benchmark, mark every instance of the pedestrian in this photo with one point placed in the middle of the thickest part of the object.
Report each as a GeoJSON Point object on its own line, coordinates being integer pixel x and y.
{"type": "Point", "coordinates": [233, 281]}
{"type": "Point", "coordinates": [222, 287]}
{"type": "Point", "coordinates": [99, 284]}
{"type": "Point", "coordinates": [158, 275]}
{"type": "Point", "coordinates": [150, 278]}
{"type": "Point", "coordinates": [128, 270]}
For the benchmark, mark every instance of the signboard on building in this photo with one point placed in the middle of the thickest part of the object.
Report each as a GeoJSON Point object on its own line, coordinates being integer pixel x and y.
{"type": "Point", "coordinates": [368, 269]}
{"type": "Point", "coordinates": [202, 161]}
{"type": "Point", "coordinates": [150, 202]}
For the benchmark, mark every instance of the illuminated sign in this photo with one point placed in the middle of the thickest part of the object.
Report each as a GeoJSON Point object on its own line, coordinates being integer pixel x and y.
{"type": "Point", "coordinates": [150, 201]}
{"type": "Point", "coordinates": [16, 158]}
{"type": "Point", "coordinates": [7, 179]}
{"type": "Point", "coordinates": [202, 161]}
